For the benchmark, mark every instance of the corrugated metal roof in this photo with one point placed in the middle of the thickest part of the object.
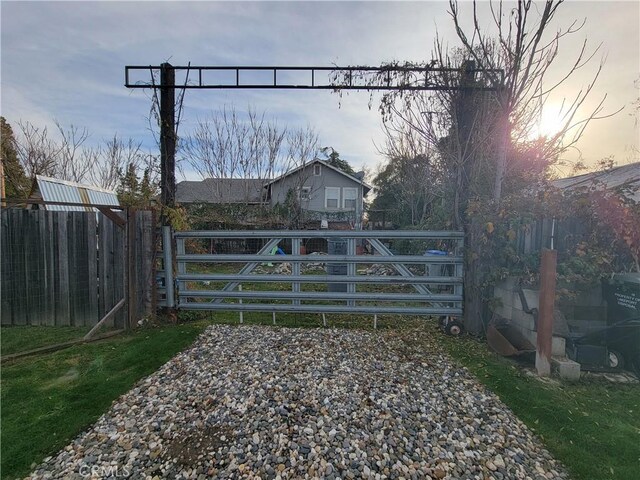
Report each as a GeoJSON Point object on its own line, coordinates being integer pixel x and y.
{"type": "Point", "coordinates": [54, 190]}
{"type": "Point", "coordinates": [616, 177]}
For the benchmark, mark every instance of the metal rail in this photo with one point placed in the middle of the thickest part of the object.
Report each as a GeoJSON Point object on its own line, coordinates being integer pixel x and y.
{"type": "Point", "coordinates": [343, 292]}
{"type": "Point", "coordinates": [366, 234]}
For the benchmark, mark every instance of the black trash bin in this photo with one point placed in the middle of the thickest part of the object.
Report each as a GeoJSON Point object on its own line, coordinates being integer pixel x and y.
{"type": "Point", "coordinates": [337, 246]}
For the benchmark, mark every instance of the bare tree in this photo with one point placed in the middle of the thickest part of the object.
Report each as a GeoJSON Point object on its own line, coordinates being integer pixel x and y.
{"type": "Point", "coordinates": [485, 140]}
{"type": "Point", "coordinates": [36, 151]}
{"type": "Point", "coordinates": [412, 174]}
{"type": "Point", "coordinates": [522, 44]}
{"type": "Point", "coordinates": [301, 147]}
{"type": "Point", "coordinates": [68, 157]}
{"type": "Point", "coordinates": [228, 144]}
{"type": "Point", "coordinates": [112, 159]}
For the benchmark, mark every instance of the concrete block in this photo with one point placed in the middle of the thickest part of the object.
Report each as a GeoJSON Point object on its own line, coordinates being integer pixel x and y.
{"type": "Point", "coordinates": [515, 300]}
{"type": "Point", "coordinates": [505, 312]}
{"type": "Point", "coordinates": [532, 297]}
{"type": "Point", "coordinates": [517, 304]}
{"type": "Point", "coordinates": [565, 368]}
{"type": "Point", "coordinates": [525, 320]}
{"type": "Point", "coordinates": [558, 346]}
{"type": "Point", "coordinates": [504, 296]}
{"type": "Point", "coordinates": [510, 283]}
{"type": "Point", "coordinates": [529, 334]}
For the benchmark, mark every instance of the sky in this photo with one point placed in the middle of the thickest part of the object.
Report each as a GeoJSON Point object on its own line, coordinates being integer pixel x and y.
{"type": "Point", "coordinates": [64, 61]}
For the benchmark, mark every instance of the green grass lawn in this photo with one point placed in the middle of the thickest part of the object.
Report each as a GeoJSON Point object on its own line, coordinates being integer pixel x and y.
{"type": "Point", "coordinates": [592, 427]}
{"type": "Point", "coordinates": [21, 339]}
{"type": "Point", "coordinates": [48, 399]}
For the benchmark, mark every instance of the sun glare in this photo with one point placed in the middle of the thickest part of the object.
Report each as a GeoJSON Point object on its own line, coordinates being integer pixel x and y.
{"type": "Point", "coordinates": [551, 121]}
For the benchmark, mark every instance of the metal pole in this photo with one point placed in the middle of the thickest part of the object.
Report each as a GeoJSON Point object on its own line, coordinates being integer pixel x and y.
{"type": "Point", "coordinates": [182, 268]}
{"type": "Point", "coordinates": [351, 267]}
{"type": "Point", "coordinates": [545, 312]}
{"type": "Point", "coordinates": [241, 312]}
{"type": "Point", "coordinates": [296, 266]}
{"type": "Point", "coordinates": [168, 266]}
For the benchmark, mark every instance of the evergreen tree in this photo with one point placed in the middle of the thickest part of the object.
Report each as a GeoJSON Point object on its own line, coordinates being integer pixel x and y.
{"type": "Point", "coordinates": [135, 192]}
{"type": "Point", "coordinates": [334, 160]}
{"type": "Point", "coordinates": [16, 182]}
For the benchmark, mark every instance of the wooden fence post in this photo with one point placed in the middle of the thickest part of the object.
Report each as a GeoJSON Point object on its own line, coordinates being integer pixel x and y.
{"type": "Point", "coordinates": [545, 312]}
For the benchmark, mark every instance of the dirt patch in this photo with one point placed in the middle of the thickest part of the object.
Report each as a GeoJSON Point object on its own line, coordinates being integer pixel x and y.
{"type": "Point", "coordinates": [187, 450]}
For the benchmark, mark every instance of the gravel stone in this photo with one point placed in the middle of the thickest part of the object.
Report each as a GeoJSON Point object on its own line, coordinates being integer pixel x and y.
{"type": "Point", "coordinates": [269, 402]}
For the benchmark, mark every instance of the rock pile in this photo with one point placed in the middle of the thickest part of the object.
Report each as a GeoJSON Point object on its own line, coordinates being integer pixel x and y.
{"type": "Point", "coordinates": [259, 402]}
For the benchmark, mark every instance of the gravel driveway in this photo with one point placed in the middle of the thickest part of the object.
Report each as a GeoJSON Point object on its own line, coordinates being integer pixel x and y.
{"type": "Point", "coordinates": [261, 402]}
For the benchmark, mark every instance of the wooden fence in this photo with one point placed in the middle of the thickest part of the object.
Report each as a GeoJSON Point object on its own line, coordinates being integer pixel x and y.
{"type": "Point", "coordinates": [71, 268]}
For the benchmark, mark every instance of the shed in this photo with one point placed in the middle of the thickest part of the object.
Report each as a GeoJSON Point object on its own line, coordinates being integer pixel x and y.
{"type": "Point", "coordinates": [55, 190]}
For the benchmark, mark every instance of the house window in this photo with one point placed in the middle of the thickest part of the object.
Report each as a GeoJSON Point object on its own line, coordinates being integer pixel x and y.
{"type": "Point", "coordinates": [317, 169]}
{"type": "Point", "coordinates": [332, 197]}
{"type": "Point", "coordinates": [349, 196]}
{"type": "Point", "coordinates": [305, 193]}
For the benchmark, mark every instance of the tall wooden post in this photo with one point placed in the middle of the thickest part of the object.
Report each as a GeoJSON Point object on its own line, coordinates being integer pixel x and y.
{"type": "Point", "coordinates": [168, 165]}
{"type": "Point", "coordinates": [545, 311]}
{"type": "Point", "coordinates": [167, 137]}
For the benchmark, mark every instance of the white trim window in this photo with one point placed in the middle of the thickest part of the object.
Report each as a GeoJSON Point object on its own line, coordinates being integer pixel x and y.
{"type": "Point", "coordinates": [349, 198]}
{"type": "Point", "coordinates": [317, 169]}
{"type": "Point", "coordinates": [304, 194]}
{"type": "Point", "coordinates": [332, 197]}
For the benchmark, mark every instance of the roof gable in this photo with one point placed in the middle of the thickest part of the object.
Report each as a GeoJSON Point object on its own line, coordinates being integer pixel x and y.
{"type": "Point", "coordinates": [220, 190]}
{"type": "Point", "coordinates": [366, 187]}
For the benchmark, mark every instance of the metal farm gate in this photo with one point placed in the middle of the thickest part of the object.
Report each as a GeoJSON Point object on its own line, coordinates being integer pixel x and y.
{"type": "Point", "coordinates": [314, 271]}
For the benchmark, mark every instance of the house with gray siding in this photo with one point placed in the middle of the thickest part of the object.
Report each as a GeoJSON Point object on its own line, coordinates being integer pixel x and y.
{"type": "Point", "coordinates": [322, 192]}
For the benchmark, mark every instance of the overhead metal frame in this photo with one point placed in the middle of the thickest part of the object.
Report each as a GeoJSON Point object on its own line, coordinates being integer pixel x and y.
{"type": "Point", "coordinates": [356, 78]}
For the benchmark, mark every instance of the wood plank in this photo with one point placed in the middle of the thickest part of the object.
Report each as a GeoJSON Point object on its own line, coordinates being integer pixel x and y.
{"type": "Point", "coordinates": [118, 260]}
{"type": "Point", "coordinates": [63, 308]}
{"type": "Point", "coordinates": [153, 246]}
{"type": "Point", "coordinates": [130, 275]}
{"type": "Point", "coordinates": [115, 217]}
{"type": "Point", "coordinates": [92, 269]}
{"type": "Point", "coordinates": [7, 296]}
{"type": "Point", "coordinates": [48, 274]}
{"type": "Point", "coordinates": [145, 250]}
{"type": "Point", "coordinates": [31, 241]}
{"type": "Point", "coordinates": [102, 308]}
{"type": "Point", "coordinates": [20, 317]}
{"type": "Point", "coordinates": [59, 346]}
{"type": "Point", "coordinates": [37, 303]}
{"type": "Point", "coordinates": [104, 320]}
{"type": "Point", "coordinates": [41, 252]}
{"type": "Point", "coordinates": [82, 270]}
{"type": "Point", "coordinates": [72, 236]}
{"type": "Point", "coordinates": [107, 264]}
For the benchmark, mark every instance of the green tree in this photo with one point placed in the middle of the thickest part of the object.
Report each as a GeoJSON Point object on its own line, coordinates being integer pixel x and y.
{"type": "Point", "coordinates": [404, 189]}
{"type": "Point", "coordinates": [334, 160]}
{"type": "Point", "coordinates": [134, 191]}
{"type": "Point", "coordinates": [16, 182]}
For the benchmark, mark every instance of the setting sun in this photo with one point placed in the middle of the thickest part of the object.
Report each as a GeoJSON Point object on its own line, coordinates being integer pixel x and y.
{"type": "Point", "coordinates": [550, 122]}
